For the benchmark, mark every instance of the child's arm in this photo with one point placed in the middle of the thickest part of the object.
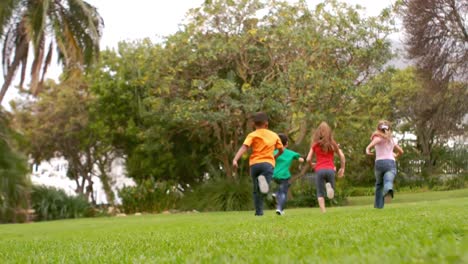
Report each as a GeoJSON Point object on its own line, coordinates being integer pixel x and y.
{"type": "Point", "coordinates": [309, 158]}
{"type": "Point", "coordinates": [342, 163]}
{"type": "Point", "coordinates": [239, 154]}
{"type": "Point", "coordinates": [280, 151]}
{"type": "Point", "coordinates": [371, 145]}
{"type": "Point", "coordinates": [399, 151]}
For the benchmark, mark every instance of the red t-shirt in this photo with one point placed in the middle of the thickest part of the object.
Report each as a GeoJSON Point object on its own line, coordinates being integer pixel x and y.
{"type": "Point", "coordinates": [324, 159]}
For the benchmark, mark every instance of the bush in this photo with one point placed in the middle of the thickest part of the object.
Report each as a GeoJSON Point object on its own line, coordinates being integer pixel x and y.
{"type": "Point", "coordinates": [221, 195]}
{"type": "Point", "coordinates": [50, 203]}
{"type": "Point", "coordinates": [150, 196]}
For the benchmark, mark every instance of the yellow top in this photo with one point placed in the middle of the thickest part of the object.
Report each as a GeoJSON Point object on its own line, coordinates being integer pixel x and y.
{"type": "Point", "coordinates": [263, 142]}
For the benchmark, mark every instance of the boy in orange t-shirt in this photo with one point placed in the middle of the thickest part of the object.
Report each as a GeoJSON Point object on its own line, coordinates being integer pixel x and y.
{"type": "Point", "coordinates": [262, 160]}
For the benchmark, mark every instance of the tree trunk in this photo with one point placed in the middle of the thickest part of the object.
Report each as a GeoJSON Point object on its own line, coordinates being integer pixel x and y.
{"type": "Point", "coordinates": [21, 51]}
{"type": "Point", "coordinates": [104, 177]}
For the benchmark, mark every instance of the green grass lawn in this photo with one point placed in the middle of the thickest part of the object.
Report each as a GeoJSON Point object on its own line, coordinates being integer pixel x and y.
{"type": "Point", "coordinates": [416, 232]}
{"type": "Point", "coordinates": [411, 197]}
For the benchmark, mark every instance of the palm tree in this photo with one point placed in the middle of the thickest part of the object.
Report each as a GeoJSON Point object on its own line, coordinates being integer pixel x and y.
{"type": "Point", "coordinates": [72, 27]}
{"type": "Point", "coordinates": [14, 181]}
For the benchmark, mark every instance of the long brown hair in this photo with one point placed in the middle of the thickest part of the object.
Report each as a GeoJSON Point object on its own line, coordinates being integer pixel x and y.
{"type": "Point", "coordinates": [324, 137]}
{"type": "Point", "coordinates": [384, 130]}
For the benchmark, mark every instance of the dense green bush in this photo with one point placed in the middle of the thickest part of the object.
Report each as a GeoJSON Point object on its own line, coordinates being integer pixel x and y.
{"type": "Point", "coordinates": [220, 195]}
{"type": "Point", "coordinates": [50, 203]}
{"type": "Point", "coordinates": [150, 196]}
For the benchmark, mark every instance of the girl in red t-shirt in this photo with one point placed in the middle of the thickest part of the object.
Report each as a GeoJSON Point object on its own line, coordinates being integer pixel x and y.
{"type": "Point", "coordinates": [324, 147]}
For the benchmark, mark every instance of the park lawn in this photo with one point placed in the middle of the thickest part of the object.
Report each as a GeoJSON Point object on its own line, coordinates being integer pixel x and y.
{"type": "Point", "coordinates": [418, 232]}
{"type": "Point", "coordinates": [411, 197]}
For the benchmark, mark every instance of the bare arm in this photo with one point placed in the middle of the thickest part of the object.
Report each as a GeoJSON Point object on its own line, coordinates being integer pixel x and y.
{"type": "Point", "coordinates": [309, 158]}
{"type": "Point", "coordinates": [280, 151]}
{"type": "Point", "coordinates": [342, 163]}
{"type": "Point", "coordinates": [239, 154]}
{"type": "Point", "coordinates": [371, 145]}
{"type": "Point", "coordinates": [301, 159]}
{"type": "Point", "coordinates": [399, 150]}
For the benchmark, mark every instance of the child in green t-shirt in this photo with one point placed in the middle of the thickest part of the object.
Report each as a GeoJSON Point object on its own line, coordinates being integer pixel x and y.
{"type": "Point", "coordinates": [282, 174]}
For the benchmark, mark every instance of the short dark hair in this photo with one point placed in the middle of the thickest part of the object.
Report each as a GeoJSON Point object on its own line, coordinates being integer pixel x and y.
{"type": "Point", "coordinates": [284, 139]}
{"type": "Point", "coordinates": [260, 119]}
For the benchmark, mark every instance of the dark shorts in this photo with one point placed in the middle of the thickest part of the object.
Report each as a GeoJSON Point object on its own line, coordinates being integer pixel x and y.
{"type": "Point", "coordinates": [324, 176]}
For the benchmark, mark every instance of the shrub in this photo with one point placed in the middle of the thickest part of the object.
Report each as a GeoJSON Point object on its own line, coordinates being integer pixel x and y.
{"type": "Point", "coordinates": [150, 196]}
{"type": "Point", "coordinates": [221, 195]}
{"type": "Point", "coordinates": [50, 203]}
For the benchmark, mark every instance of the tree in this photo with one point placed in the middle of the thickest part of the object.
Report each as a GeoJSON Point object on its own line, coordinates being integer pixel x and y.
{"type": "Point", "coordinates": [59, 123]}
{"type": "Point", "coordinates": [433, 117]}
{"type": "Point", "coordinates": [437, 40]}
{"type": "Point", "coordinates": [192, 95]}
{"type": "Point", "coordinates": [437, 37]}
{"type": "Point", "coordinates": [73, 27]}
{"type": "Point", "coordinates": [15, 185]}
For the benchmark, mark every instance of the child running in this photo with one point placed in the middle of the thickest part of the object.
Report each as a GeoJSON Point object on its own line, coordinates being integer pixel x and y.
{"type": "Point", "coordinates": [324, 147]}
{"type": "Point", "coordinates": [385, 165]}
{"type": "Point", "coordinates": [282, 174]}
{"type": "Point", "coordinates": [262, 160]}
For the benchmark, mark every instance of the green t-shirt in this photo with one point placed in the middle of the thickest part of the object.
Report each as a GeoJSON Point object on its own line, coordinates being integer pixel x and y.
{"type": "Point", "coordinates": [283, 162]}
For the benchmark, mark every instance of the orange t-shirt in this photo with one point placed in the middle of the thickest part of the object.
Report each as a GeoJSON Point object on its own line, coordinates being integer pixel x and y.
{"type": "Point", "coordinates": [263, 142]}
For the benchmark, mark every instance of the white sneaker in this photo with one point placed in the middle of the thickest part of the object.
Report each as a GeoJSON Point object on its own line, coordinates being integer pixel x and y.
{"type": "Point", "coordinates": [330, 191]}
{"type": "Point", "coordinates": [262, 184]}
{"type": "Point", "coordinates": [279, 212]}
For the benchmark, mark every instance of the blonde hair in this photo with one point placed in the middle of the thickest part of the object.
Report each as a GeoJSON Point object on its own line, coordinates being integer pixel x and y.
{"type": "Point", "coordinates": [324, 137]}
{"type": "Point", "coordinates": [383, 130]}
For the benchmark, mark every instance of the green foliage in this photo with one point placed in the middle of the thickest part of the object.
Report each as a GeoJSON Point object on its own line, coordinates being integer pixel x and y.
{"type": "Point", "coordinates": [14, 182]}
{"type": "Point", "coordinates": [150, 197]}
{"type": "Point", "coordinates": [416, 232]}
{"type": "Point", "coordinates": [72, 28]}
{"type": "Point", "coordinates": [192, 94]}
{"type": "Point", "coordinates": [50, 203]}
{"type": "Point", "coordinates": [220, 195]}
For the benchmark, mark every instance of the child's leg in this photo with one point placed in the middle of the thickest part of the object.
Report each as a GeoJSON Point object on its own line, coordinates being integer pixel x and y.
{"type": "Point", "coordinates": [257, 197]}
{"type": "Point", "coordinates": [320, 185]}
{"type": "Point", "coordinates": [330, 179]}
{"type": "Point", "coordinates": [379, 199]}
{"type": "Point", "coordinates": [265, 169]}
{"type": "Point", "coordinates": [389, 177]}
{"type": "Point", "coordinates": [282, 195]}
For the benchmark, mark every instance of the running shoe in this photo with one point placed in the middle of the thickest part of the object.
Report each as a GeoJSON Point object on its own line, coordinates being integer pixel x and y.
{"type": "Point", "coordinates": [263, 184]}
{"type": "Point", "coordinates": [330, 191]}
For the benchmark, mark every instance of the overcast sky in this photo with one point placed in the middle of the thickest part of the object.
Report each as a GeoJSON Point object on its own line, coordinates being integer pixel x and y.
{"type": "Point", "coordinates": [137, 19]}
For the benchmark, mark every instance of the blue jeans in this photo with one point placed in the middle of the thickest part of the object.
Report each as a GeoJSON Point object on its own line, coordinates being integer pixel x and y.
{"type": "Point", "coordinates": [282, 193]}
{"type": "Point", "coordinates": [385, 172]}
{"type": "Point", "coordinates": [265, 169]}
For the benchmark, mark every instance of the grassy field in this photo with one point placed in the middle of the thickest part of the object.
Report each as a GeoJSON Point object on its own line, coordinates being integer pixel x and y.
{"type": "Point", "coordinates": [414, 232]}
{"type": "Point", "coordinates": [411, 197]}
